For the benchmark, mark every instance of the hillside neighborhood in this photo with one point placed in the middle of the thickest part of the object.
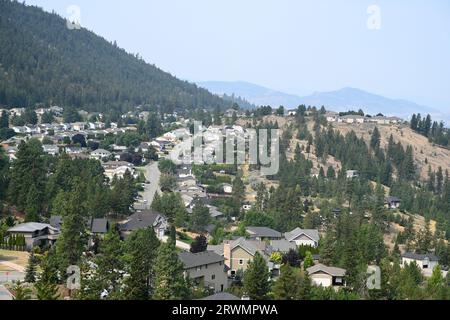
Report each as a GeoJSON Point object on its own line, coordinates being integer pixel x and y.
{"type": "Point", "coordinates": [203, 192]}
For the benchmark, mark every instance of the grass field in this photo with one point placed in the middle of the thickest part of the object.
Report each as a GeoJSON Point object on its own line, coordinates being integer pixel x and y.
{"type": "Point", "coordinates": [17, 257]}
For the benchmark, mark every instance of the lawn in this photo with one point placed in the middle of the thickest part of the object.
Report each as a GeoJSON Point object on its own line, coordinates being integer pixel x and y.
{"type": "Point", "coordinates": [17, 257]}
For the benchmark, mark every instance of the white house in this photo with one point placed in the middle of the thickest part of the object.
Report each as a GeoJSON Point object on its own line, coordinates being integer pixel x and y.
{"type": "Point", "coordinates": [426, 262]}
{"type": "Point", "coordinates": [322, 275]}
{"type": "Point", "coordinates": [227, 188]}
{"type": "Point", "coordinates": [303, 237]}
{"type": "Point", "coordinates": [100, 154]}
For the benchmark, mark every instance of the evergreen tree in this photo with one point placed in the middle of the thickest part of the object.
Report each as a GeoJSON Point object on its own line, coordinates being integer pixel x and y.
{"type": "Point", "coordinates": [308, 262]}
{"type": "Point", "coordinates": [30, 272]}
{"type": "Point", "coordinates": [200, 216]}
{"type": "Point", "coordinates": [256, 278]}
{"type": "Point", "coordinates": [141, 249]}
{"type": "Point", "coordinates": [72, 240]}
{"type": "Point", "coordinates": [110, 264]}
{"type": "Point", "coordinates": [287, 285]}
{"type": "Point", "coordinates": [170, 283]}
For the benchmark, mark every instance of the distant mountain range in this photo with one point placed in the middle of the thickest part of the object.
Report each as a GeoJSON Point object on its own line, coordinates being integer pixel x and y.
{"type": "Point", "coordinates": [340, 100]}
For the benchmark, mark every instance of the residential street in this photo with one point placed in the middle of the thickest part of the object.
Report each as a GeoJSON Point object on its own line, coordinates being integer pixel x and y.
{"type": "Point", "coordinates": [9, 276]}
{"type": "Point", "coordinates": [152, 174]}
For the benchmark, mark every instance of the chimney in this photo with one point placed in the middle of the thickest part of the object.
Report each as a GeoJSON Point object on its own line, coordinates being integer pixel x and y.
{"type": "Point", "coordinates": [227, 253]}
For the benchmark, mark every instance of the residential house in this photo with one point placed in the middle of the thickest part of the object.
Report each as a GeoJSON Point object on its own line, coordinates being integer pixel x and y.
{"type": "Point", "coordinates": [78, 126]}
{"type": "Point", "coordinates": [118, 169]}
{"type": "Point", "coordinates": [426, 262]}
{"type": "Point", "coordinates": [50, 149]}
{"type": "Point", "coordinates": [238, 253]}
{"type": "Point", "coordinates": [263, 233]}
{"type": "Point", "coordinates": [393, 202]}
{"type": "Point", "coordinates": [303, 237]}
{"type": "Point", "coordinates": [353, 119]}
{"type": "Point", "coordinates": [36, 234]}
{"type": "Point", "coordinates": [332, 116]}
{"type": "Point", "coordinates": [350, 174]}
{"type": "Point", "coordinates": [214, 212]}
{"type": "Point", "coordinates": [100, 154]}
{"type": "Point", "coordinates": [322, 275]}
{"type": "Point", "coordinates": [144, 219]}
{"type": "Point", "coordinates": [227, 188]}
{"type": "Point", "coordinates": [283, 246]}
{"type": "Point", "coordinates": [292, 112]}
{"type": "Point", "coordinates": [205, 268]}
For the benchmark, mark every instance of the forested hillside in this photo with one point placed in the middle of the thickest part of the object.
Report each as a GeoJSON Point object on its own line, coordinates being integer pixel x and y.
{"type": "Point", "coordinates": [43, 61]}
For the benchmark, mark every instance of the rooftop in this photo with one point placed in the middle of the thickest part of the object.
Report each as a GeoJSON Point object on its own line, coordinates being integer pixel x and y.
{"type": "Point", "coordinates": [192, 260]}
{"type": "Point", "coordinates": [332, 271]}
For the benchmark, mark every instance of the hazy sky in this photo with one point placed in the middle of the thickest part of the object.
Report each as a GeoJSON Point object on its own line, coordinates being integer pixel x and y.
{"type": "Point", "coordinates": [290, 45]}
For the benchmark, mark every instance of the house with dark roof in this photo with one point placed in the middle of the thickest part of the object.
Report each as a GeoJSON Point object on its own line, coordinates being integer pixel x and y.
{"type": "Point", "coordinates": [143, 219]}
{"type": "Point", "coordinates": [35, 234]}
{"type": "Point", "coordinates": [263, 233]}
{"type": "Point", "coordinates": [325, 276]}
{"type": "Point", "coordinates": [392, 202]}
{"type": "Point", "coordinates": [205, 268]}
{"type": "Point", "coordinates": [426, 262]}
{"type": "Point", "coordinates": [96, 226]}
{"type": "Point", "coordinates": [303, 237]}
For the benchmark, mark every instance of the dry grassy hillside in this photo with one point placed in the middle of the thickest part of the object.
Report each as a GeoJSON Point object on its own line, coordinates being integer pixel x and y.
{"type": "Point", "coordinates": [423, 149]}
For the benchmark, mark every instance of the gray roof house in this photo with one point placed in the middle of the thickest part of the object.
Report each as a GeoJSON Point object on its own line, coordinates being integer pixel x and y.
{"type": "Point", "coordinates": [205, 268]}
{"type": "Point", "coordinates": [36, 234]}
{"type": "Point", "coordinates": [263, 233]}
{"type": "Point", "coordinates": [303, 237]}
{"type": "Point", "coordinates": [325, 276]}
{"type": "Point", "coordinates": [95, 226]}
{"type": "Point", "coordinates": [144, 219]}
{"type": "Point", "coordinates": [282, 246]}
{"type": "Point", "coordinates": [426, 262]}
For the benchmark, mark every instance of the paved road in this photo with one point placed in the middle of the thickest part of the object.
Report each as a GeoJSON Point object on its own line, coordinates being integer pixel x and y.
{"type": "Point", "coordinates": [10, 276]}
{"type": "Point", "coordinates": [152, 174]}
{"type": "Point", "coordinates": [4, 294]}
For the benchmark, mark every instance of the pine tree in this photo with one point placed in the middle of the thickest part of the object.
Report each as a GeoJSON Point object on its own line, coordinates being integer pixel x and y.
{"type": "Point", "coordinates": [308, 262]}
{"type": "Point", "coordinates": [46, 287]}
{"type": "Point", "coordinates": [287, 285]}
{"type": "Point", "coordinates": [141, 249]}
{"type": "Point", "coordinates": [30, 272]}
{"type": "Point", "coordinates": [170, 283]}
{"type": "Point", "coordinates": [72, 240]}
{"type": "Point", "coordinates": [109, 263]}
{"type": "Point", "coordinates": [256, 278]}
{"type": "Point", "coordinates": [436, 286]}
{"type": "Point", "coordinates": [200, 216]}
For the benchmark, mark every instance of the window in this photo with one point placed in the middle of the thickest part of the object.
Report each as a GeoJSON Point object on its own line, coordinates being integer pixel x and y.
{"type": "Point", "coordinates": [241, 262]}
{"type": "Point", "coordinates": [213, 277]}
